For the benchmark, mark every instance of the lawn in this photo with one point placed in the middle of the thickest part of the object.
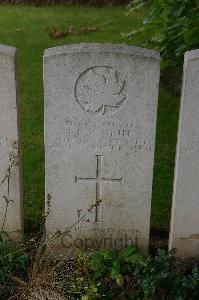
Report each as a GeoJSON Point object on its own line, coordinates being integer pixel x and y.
{"type": "Point", "coordinates": [27, 28]}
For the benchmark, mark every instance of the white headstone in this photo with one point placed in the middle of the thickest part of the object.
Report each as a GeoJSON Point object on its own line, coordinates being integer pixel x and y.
{"type": "Point", "coordinates": [10, 195]}
{"type": "Point", "coordinates": [100, 119]}
{"type": "Point", "coordinates": [184, 233]}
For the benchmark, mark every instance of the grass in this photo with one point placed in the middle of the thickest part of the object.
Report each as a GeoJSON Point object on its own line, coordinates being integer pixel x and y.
{"type": "Point", "coordinates": [27, 28]}
{"type": "Point", "coordinates": [166, 135]}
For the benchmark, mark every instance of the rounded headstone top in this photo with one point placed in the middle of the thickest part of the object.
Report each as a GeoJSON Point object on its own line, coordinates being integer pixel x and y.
{"type": "Point", "coordinates": [110, 48]}
{"type": "Point", "coordinates": [193, 54]}
{"type": "Point", "coordinates": [7, 50]}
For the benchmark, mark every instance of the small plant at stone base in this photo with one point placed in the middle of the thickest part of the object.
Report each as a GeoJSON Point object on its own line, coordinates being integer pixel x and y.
{"type": "Point", "coordinates": [129, 275]}
{"type": "Point", "coordinates": [13, 261]}
{"type": "Point", "coordinates": [13, 162]}
{"type": "Point", "coordinates": [13, 257]}
{"type": "Point", "coordinates": [41, 282]}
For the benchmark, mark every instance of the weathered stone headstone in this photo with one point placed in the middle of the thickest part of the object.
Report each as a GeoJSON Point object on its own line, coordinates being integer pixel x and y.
{"type": "Point", "coordinates": [100, 119]}
{"type": "Point", "coordinates": [184, 233]}
{"type": "Point", "coordinates": [10, 195]}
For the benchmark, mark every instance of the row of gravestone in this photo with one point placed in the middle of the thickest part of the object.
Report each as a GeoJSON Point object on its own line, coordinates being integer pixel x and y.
{"type": "Point", "coordinates": [100, 121]}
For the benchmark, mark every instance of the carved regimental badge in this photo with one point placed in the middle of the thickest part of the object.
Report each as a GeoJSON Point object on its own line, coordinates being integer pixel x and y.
{"type": "Point", "coordinates": [101, 90]}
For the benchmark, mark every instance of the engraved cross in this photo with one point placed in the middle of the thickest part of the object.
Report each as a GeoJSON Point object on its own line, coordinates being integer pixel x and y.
{"type": "Point", "coordinates": [98, 180]}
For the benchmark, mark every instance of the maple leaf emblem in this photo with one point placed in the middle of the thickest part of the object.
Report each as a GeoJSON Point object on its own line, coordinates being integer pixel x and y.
{"type": "Point", "coordinates": [101, 89]}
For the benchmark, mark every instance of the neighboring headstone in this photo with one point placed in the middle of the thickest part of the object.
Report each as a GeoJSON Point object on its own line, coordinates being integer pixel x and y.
{"type": "Point", "coordinates": [10, 194]}
{"type": "Point", "coordinates": [184, 233]}
{"type": "Point", "coordinates": [100, 120]}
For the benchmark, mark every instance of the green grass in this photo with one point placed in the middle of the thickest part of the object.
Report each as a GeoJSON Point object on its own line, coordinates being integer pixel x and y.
{"type": "Point", "coordinates": [166, 135]}
{"type": "Point", "coordinates": [27, 28]}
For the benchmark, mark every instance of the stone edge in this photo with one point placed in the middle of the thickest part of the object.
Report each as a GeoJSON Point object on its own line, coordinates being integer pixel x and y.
{"type": "Point", "coordinates": [193, 54]}
{"type": "Point", "coordinates": [189, 55]}
{"type": "Point", "coordinates": [95, 47]}
{"type": "Point", "coordinates": [8, 50]}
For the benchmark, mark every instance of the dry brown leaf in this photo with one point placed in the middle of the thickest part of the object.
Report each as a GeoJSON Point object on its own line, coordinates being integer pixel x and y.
{"type": "Point", "coordinates": [56, 33]}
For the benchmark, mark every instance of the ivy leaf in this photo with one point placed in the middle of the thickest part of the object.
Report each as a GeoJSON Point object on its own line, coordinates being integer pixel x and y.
{"type": "Point", "coordinates": [129, 251]}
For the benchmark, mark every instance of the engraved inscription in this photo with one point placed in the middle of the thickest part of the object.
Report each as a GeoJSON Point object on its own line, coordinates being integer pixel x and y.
{"type": "Point", "coordinates": [101, 90]}
{"type": "Point", "coordinates": [102, 137]}
{"type": "Point", "coordinates": [98, 180]}
{"type": "Point", "coordinates": [190, 146]}
{"type": "Point", "coordinates": [192, 237]}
